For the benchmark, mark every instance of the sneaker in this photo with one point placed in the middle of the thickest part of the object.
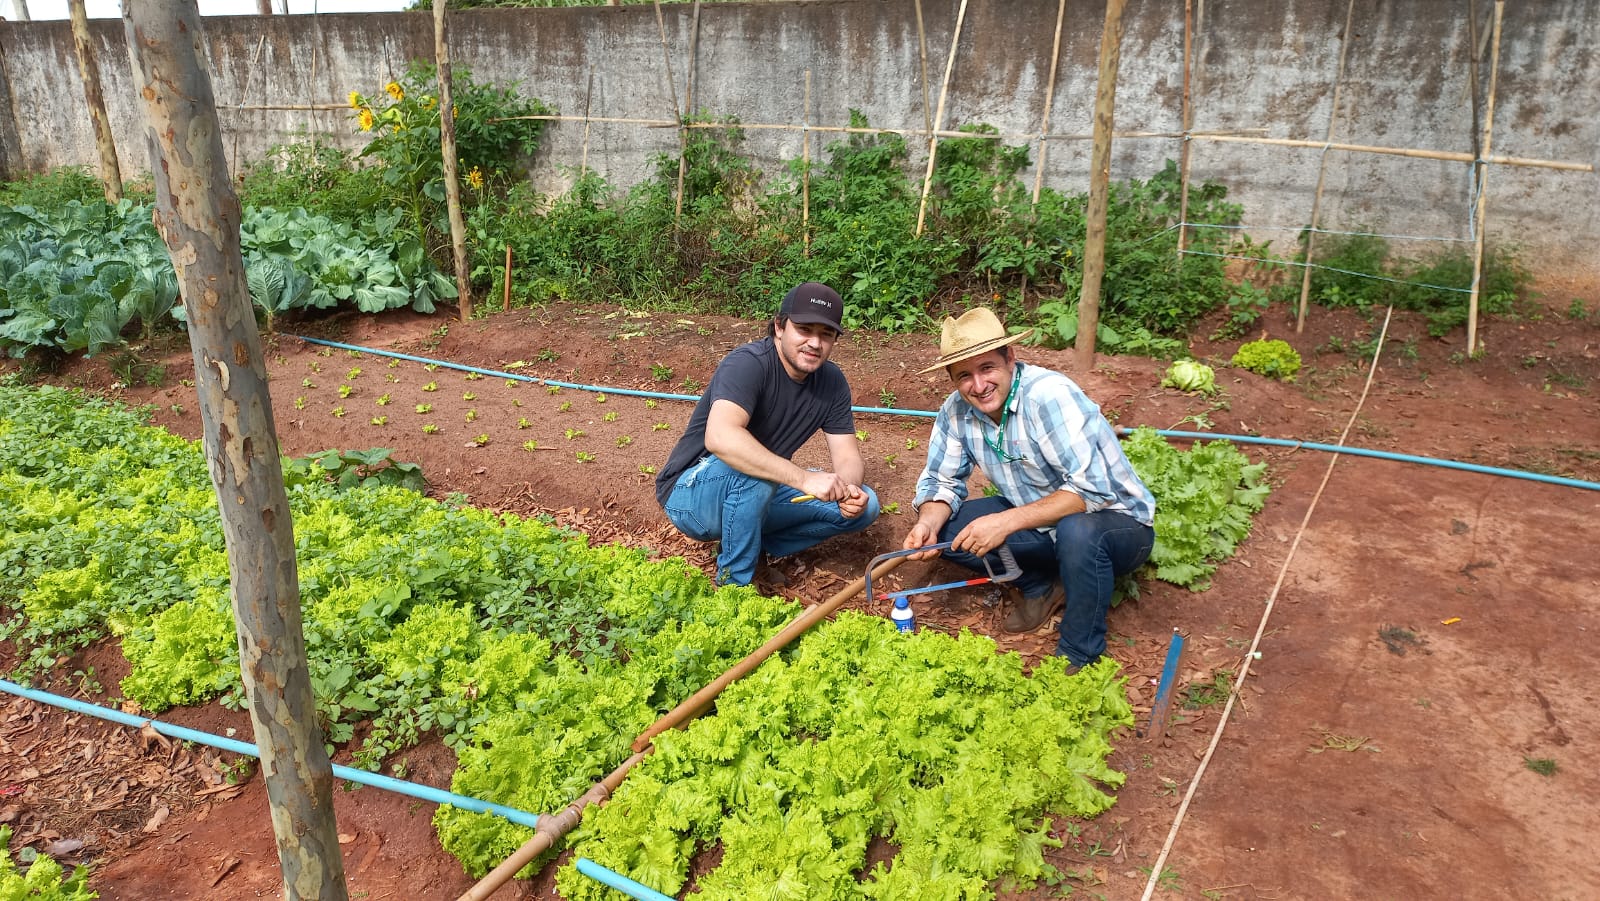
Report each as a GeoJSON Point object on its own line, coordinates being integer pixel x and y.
{"type": "Point", "coordinates": [1031, 613]}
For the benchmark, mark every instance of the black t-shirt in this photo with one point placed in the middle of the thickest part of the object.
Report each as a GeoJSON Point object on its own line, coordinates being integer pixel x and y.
{"type": "Point", "coordinates": [784, 413]}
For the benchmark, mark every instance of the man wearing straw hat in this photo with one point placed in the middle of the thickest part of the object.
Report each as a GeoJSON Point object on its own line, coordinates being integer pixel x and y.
{"type": "Point", "coordinates": [730, 477]}
{"type": "Point", "coordinates": [1069, 505]}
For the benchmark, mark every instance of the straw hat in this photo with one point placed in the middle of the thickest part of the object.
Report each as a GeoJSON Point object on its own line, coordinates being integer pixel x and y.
{"type": "Point", "coordinates": [977, 332]}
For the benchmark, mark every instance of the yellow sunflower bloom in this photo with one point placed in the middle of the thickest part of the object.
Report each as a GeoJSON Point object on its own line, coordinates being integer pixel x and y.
{"type": "Point", "coordinates": [355, 99]}
{"type": "Point", "coordinates": [366, 119]}
{"type": "Point", "coordinates": [395, 91]}
{"type": "Point", "coordinates": [429, 102]}
{"type": "Point", "coordinates": [475, 178]}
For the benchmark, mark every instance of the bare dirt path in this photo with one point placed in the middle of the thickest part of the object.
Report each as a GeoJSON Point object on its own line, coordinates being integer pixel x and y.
{"type": "Point", "coordinates": [1374, 751]}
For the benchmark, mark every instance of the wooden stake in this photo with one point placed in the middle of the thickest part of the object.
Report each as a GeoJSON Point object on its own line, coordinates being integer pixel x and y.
{"type": "Point", "coordinates": [1049, 98]}
{"type": "Point", "coordinates": [938, 117]}
{"type": "Point", "coordinates": [805, 168]}
{"type": "Point", "coordinates": [1186, 122]}
{"type": "Point", "coordinates": [447, 154]}
{"type": "Point", "coordinates": [1044, 146]}
{"type": "Point", "coordinates": [89, 70]}
{"type": "Point", "coordinates": [588, 96]}
{"type": "Point", "coordinates": [922, 59]}
{"type": "Point", "coordinates": [1322, 172]}
{"type": "Point", "coordinates": [1094, 249]}
{"type": "Point", "coordinates": [505, 304]}
{"type": "Point", "coordinates": [1483, 184]}
{"type": "Point", "coordinates": [681, 115]}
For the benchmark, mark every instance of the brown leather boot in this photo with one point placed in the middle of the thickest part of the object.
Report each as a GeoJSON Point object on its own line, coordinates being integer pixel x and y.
{"type": "Point", "coordinates": [1031, 613]}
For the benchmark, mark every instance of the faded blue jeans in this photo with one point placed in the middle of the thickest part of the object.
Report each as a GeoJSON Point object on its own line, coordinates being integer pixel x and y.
{"type": "Point", "coordinates": [1089, 551]}
{"type": "Point", "coordinates": [713, 501]}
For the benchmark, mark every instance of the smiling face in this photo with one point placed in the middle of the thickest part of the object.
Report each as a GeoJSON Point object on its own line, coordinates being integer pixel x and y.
{"type": "Point", "coordinates": [803, 346]}
{"type": "Point", "coordinates": [985, 381]}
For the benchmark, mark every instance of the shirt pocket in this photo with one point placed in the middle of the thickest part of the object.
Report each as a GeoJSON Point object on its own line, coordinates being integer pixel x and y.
{"type": "Point", "coordinates": [1034, 476]}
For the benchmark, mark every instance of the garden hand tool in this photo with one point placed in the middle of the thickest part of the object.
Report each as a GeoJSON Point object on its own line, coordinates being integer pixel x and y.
{"type": "Point", "coordinates": [1010, 572]}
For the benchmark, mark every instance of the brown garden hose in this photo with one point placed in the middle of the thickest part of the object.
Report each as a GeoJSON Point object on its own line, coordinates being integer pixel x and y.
{"type": "Point", "coordinates": [700, 701]}
{"type": "Point", "coordinates": [553, 827]}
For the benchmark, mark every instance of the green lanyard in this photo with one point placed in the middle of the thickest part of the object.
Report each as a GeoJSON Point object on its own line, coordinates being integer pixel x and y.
{"type": "Point", "coordinates": [1005, 412]}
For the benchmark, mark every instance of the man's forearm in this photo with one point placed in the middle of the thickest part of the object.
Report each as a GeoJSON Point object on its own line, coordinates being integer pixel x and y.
{"type": "Point", "coordinates": [1046, 511]}
{"type": "Point", "coordinates": [740, 450]}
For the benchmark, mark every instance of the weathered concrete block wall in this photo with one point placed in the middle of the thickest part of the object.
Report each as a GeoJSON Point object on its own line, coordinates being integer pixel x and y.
{"type": "Point", "coordinates": [1259, 65]}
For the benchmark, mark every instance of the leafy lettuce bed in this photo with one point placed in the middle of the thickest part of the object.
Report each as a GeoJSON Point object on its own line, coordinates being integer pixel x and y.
{"type": "Point", "coordinates": [539, 658]}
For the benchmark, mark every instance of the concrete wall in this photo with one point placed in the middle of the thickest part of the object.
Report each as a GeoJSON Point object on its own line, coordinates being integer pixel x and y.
{"type": "Point", "coordinates": [1266, 65]}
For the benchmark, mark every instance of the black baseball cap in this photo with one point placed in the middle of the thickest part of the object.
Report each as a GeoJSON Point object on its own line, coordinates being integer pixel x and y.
{"type": "Point", "coordinates": [813, 302]}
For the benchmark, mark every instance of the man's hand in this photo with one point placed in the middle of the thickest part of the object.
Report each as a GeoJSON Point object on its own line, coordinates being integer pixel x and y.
{"type": "Point", "coordinates": [855, 504]}
{"type": "Point", "coordinates": [983, 534]}
{"type": "Point", "coordinates": [921, 535]}
{"type": "Point", "coordinates": [827, 486]}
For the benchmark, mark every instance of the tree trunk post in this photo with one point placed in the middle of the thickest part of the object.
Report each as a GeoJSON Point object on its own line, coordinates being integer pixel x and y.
{"type": "Point", "coordinates": [198, 215]}
{"type": "Point", "coordinates": [89, 69]}
{"type": "Point", "coordinates": [1094, 249]}
{"type": "Point", "coordinates": [447, 148]}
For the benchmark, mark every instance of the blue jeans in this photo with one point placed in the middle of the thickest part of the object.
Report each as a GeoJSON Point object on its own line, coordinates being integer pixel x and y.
{"type": "Point", "coordinates": [1089, 551]}
{"type": "Point", "coordinates": [713, 501]}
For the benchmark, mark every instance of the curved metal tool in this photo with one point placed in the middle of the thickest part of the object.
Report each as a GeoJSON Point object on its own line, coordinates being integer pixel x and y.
{"type": "Point", "coordinates": [1011, 571]}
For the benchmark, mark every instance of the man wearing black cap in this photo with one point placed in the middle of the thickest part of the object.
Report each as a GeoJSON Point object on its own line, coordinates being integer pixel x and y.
{"type": "Point", "coordinates": [730, 477]}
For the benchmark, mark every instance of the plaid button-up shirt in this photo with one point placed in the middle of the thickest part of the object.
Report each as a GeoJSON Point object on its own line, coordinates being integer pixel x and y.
{"type": "Point", "coordinates": [1055, 439]}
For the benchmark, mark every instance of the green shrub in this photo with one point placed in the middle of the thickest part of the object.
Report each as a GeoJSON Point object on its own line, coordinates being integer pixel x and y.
{"type": "Point", "coordinates": [52, 189]}
{"type": "Point", "coordinates": [322, 179]}
{"type": "Point", "coordinates": [492, 141]}
{"type": "Point", "coordinates": [1269, 357]}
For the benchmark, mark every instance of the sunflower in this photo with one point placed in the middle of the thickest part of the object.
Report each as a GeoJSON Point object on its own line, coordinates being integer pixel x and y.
{"type": "Point", "coordinates": [475, 178]}
{"type": "Point", "coordinates": [395, 91]}
{"type": "Point", "coordinates": [355, 99]}
{"type": "Point", "coordinates": [366, 119]}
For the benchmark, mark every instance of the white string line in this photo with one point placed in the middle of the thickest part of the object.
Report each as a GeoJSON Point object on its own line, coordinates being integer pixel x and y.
{"type": "Point", "coordinates": [1272, 599]}
{"type": "Point", "coordinates": [1381, 278]}
{"type": "Point", "coordinates": [1320, 231]}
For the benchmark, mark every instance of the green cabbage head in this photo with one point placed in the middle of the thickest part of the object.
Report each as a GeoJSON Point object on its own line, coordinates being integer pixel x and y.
{"type": "Point", "coordinates": [1189, 375]}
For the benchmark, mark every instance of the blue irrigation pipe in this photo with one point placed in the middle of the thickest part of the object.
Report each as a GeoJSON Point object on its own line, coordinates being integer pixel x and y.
{"type": "Point", "coordinates": [628, 392]}
{"type": "Point", "coordinates": [1381, 455]}
{"type": "Point", "coordinates": [930, 414]}
{"type": "Point", "coordinates": [613, 879]}
{"type": "Point", "coordinates": [183, 733]}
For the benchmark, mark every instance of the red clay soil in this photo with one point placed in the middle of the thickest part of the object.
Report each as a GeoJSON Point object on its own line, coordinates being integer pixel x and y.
{"type": "Point", "coordinates": [1425, 652]}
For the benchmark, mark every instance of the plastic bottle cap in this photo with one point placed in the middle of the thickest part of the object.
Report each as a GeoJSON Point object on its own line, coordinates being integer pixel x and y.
{"type": "Point", "coordinates": [902, 603]}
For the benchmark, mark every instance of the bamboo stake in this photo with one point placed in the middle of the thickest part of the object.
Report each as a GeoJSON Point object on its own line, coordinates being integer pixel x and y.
{"type": "Point", "coordinates": [1049, 99]}
{"type": "Point", "coordinates": [1483, 184]}
{"type": "Point", "coordinates": [1044, 146]}
{"type": "Point", "coordinates": [244, 91]}
{"type": "Point", "coordinates": [1322, 172]}
{"type": "Point", "coordinates": [701, 700]}
{"type": "Point", "coordinates": [938, 117]}
{"type": "Point", "coordinates": [296, 107]}
{"type": "Point", "coordinates": [551, 829]}
{"type": "Point", "coordinates": [922, 59]}
{"type": "Point", "coordinates": [805, 169]}
{"type": "Point", "coordinates": [1094, 245]}
{"type": "Point", "coordinates": [1185, 121]}
{"type": "Point", "coordinates": [683, 135]}
{"type": "Point", "coordinates": [505, 303]}
{"type": "Point", "coordinates": [1403, 151]}
{"type": "Point", "coordinates": [588, 97]}
{"type": "Point", "coordinates": [1472, 72]}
